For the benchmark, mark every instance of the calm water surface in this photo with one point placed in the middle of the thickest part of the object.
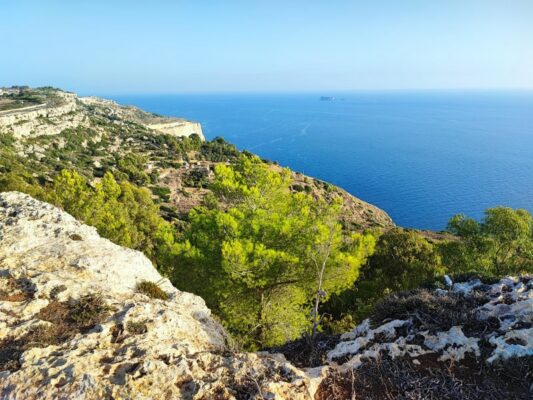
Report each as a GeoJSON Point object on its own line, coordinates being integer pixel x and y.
{"type": "Point", "coordinates": [422, 157]}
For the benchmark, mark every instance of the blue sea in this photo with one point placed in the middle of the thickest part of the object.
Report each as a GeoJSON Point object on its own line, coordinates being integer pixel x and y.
{"type": "Point", "coordinates": [420, 156]}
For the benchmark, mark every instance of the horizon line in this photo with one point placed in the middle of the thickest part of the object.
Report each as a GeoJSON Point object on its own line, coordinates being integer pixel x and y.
{"type": "Point", "coordinates": [324, 92]}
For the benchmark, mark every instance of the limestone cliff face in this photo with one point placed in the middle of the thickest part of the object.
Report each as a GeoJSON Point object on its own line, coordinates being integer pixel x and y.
{"type": "Point", "coordinates": [139, 347]}
{"type": "Point", "coordinates": [63, 110]}
{"type": "Point", "coordinates": [179, 128]}
{"type": "Point", "coordinates": [43, 119]}
{"type": "Point", "coordinates": [168, 125]}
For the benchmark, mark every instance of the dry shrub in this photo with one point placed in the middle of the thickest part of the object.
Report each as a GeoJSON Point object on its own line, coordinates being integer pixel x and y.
{"type": "Point", "coordinates": [400, 379]}
{"type": "Point", "coordinates": [152, 290]}
{"type": "Point", "coordinates": [429, 309]}
{"type": "Point", "coordinates": [15, 290]}
{"type": "Point", "coordinates": [66, 320]}
{"type": "Point", "coordinates": [136, 328]}
{"type": "Point", "coordinates": [302, 353]}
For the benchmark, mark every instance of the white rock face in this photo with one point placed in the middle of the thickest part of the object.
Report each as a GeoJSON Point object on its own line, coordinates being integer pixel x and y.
{"type": "Point", "coordinates": [179, 128]}
{"type": "Point", "coordinates": [177, 350]}
{"type": "Point", "coordinates": [43, 119]}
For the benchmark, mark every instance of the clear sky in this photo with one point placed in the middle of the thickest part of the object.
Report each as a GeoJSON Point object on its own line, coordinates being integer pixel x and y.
{"type": "Point", "coordinates": [252, 46]}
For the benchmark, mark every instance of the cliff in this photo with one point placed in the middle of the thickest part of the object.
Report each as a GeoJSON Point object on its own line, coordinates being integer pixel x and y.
{"type": "Point", "coordinates": [75, 324]}
{"type": "Point", "coordinates": [77, 321]}
{"type": "Point", "coordinates": [59, 110]}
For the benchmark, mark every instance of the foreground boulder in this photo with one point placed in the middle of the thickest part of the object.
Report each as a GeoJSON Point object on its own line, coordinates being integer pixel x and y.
{"type": "Point", "coordinates": [81, 317]}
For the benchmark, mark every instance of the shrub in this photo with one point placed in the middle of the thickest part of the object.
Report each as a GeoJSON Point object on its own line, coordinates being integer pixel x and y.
{"type": "Point", "coordinates": [136, 328]}
{"type": "Point", "coordinates": [151, 290]}
{"type": "Point", "coordinates": [88, 311]}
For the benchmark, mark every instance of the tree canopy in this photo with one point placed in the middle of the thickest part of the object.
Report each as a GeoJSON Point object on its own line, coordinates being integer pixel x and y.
{"type": "Point", "coordinates": [254, 251]}
{"type": "Point", "coordinates": [501, 243]}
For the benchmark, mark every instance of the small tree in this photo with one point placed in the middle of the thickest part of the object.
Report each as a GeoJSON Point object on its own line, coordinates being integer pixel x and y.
{"type": "Point", "coordinates": [336, 258]}
{"type": "Point", "coordinates": [259, 253]}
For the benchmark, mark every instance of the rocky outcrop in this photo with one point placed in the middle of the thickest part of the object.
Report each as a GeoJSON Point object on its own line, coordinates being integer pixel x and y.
{"type": "Point", "coordinates": [473, 341]}
{"type": "Point", "coordinates": [43, 119]}
{"type": "Point", "coordinates": [74, 324]}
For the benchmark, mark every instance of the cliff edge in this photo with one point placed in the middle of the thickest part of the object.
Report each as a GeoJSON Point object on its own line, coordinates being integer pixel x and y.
{"type": "Point", "coordinates": [75, 322]}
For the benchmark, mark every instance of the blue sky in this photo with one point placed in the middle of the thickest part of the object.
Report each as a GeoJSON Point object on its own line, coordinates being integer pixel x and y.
{"type": "Point", "coordinates": [276, 46]}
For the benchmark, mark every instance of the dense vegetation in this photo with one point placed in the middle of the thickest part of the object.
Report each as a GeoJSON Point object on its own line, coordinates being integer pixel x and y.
{"type": "Point", "coordinates": [273, 263]}
{"type": "Point", "coordinates": [498, 245]}
{"type": "Point", "coordinates": [264, 257]}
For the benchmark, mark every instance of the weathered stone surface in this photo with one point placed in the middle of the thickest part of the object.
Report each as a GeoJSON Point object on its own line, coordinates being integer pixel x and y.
{"type": "Point", "coordinates": [144, 348]}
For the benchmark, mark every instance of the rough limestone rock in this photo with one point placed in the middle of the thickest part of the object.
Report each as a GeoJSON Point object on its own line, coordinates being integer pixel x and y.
{"type": "Point", "coordinates": [51, 266]}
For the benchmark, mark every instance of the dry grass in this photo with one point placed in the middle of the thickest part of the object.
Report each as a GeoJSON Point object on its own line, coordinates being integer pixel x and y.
{"type": "Point", "coordinates": [16, 290]}
{"type": "Point", "coordinates": [136, 328]}
{"type": "Point", "coordinates": [152, 290]}
{"type": "Point", "coordinates": [400, 379]}
{"type": "Point", "coordinates": [302, 353]}
{"type": "Point", "coordinates": [66, 319]}
{"type": "Point", "coordinates": [428, 309]}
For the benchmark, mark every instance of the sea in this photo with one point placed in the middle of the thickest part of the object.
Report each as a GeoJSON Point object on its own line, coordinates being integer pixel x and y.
{"type": "Point", "coordinates": [420, 156]}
